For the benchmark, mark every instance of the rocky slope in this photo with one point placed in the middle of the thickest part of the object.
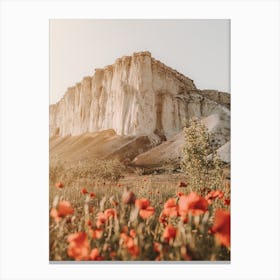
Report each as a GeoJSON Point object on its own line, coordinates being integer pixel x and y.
{"type": "Point", "coordinates": [137, 95]}
{"type": "Point", "coordinates": [218, 125]}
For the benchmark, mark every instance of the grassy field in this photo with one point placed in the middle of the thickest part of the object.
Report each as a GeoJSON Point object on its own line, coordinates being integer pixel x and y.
{"type": "Point", "coordinates": [153, 217]}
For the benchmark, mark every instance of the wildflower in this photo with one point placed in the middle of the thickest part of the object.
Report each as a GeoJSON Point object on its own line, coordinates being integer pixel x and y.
{"type": "Point", "coordinates": [78, 247]}
{"type": "Point", "coordinates": [92, 195]}
{"type": "Point", "coordinates": [54, 214]}
{"type": "Point", "coordinates": [64, 208]}
{"type": "Point", "coordinates": [101, 219]}
{"type": "Point", "coordinates": [142, 203]}
{"type": "Point", "coordinates": [193, 204]}
{"type": "Point", "coordinates": [163, 219]}
{"type": "Point", "coordinates": [157, 247]}
{"type": "Point", "coordinates": [132, 233]}
{"type": "Point", "coordinates": [221, 227]}
{"type": "Point", "coordinates": [59, 185]}
{"type": "Point", "coordinates": [227, 201]}
{"type": "Point", "coordinates": [128, 197]}
{"type": "Point", "coordinates": [170, 208]}
{"type": "Point", "coordinates": [179, 194]}
{"type": "Point", "coordinates": [182, 184]}
{"type": "Point", "coordinates": [84, 191]}
{"type": "Point", "coordinates": [129, 244]}
{"type": "Point", "coordinates": [89, 223]}
{"type": "Point", "coordinates": [169, 233]}
{"type": "Point", "coordinates": [94, 255]}
{"type": "Point", "coordinates": [111, 212]}
{"type": "Point", "coordinates": [147, 212]}
{"type": "Point", "coordinates": [214, 194]}
{"type": "Point", "coordinates": [96, 233]}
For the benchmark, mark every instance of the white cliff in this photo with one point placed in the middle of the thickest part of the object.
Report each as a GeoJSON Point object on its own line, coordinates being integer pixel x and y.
{"type": "Point", "coordinates": [137, 95]}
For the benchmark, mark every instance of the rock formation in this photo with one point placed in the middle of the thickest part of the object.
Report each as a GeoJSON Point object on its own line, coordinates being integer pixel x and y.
{"type": "Point", "coordinates": [137, 95]}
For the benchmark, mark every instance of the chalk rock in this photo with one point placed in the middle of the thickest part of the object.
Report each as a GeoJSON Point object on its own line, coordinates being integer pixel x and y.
{"type": "Point", "coordinates": [137, 95]}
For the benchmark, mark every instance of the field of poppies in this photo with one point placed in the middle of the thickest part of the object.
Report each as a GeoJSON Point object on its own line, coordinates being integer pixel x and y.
{"type": "Point", "coordinates": [142, 218]}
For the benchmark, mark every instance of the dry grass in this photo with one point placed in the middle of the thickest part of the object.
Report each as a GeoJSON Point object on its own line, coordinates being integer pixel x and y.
{"type": "Point", "coordinates": [127, 235]}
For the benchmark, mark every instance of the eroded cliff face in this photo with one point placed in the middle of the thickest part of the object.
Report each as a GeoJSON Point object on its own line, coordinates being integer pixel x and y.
{"type": "Point", "coordinates": [137, 95]}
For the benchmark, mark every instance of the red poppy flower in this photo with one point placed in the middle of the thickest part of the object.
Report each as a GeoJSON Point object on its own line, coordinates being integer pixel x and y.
{"type": "Point", "coordinates": [163, 219]}
{"type": "Point", "coordinates": [128, 243]}
{"type": "Point", "coordinates": [92, 195]}
{"type": "Point", "coordinates": [221, 227]}
{"type": "Point", "coordinates": [170, 208]}
{"type": "Point", "coordinates": [64, 208]}
{"type": "Point", "coordinates": [214, 194]}
{"type": "Point", "coordinates": [193, 204]}
{"type": "Point", "coordinates": [94, 255]}
{"type": "Point", "coordinates": [132, 233]}
{"type": "Point", "coordinates": [157, 247]}
{"type": "Point", "coordinates": [142, 203]}
{"type": "Point", "coordinates": [182, 184]}
{"type": "Point", "coordinates": [59, 185]}
{"type": "Point", "coordinates": [111, 212]}
{"type": "Point", "coordinates": [147, 213]}
{"type": "Point", "coordinates": [54, 214]}
{"type": "Point", "coordinates": [101, 219]}
{"type": "Point", "coordinates": [84, 191]}
{"type": "Point", "coordinates": [78, 247]}
{"type": "Point", "coordinates": [169, 233]}
{"type": "Point", "coordinates": [180, 194]}
{"type": "Point", "coordinates": [96, 233]}
{"type": "Point", "coordinates": [227, 201]}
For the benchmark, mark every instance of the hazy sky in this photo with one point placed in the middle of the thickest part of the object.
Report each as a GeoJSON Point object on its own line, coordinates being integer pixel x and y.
{"type": "Point", "coordinates": [199, 49]}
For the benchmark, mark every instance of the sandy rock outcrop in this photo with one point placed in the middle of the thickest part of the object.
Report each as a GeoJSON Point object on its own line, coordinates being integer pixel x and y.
{"type": "Point", "coordinates": [218, 125]}
{"type": "Point", "coordinates": [137, 95]}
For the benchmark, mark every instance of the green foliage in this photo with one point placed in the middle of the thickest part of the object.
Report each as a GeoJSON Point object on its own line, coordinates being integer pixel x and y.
{"type": "Point", "coordinates": [200, 162]}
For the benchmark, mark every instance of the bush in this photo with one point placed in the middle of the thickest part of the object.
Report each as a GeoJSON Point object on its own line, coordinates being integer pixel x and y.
{"type": "Point", "coordinates": [100, 170]}
{"type": "Point", "coordinates": [200, 162]}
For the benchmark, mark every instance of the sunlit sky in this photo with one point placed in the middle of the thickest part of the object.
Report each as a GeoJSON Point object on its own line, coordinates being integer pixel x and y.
{"type": "Point", "coordinates": [199, 49]}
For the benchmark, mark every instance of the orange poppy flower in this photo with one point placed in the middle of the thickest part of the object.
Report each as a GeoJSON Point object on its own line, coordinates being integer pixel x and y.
{"type": "Point", "coordinates": [84, 191]}
{"type": "Point", "coordinates": [59, 185]}
{"type": "Point", "coordinates": [101, 219]}
{"type": "Point", "coordinates": [227, 201]}
{"type": "Point", "coordinates": [54, 214]}
{"type": "Point", "coordinates": [111, 212]}
{"type": "Point", "coordinates": [169, 233]}
{"type": "Point", "coordinates": [170, 208]}
{"type": "Point", "coordinates": [180, 194]}
{"type": "Point", "coordinates": [142, 203]}
{"type": "Point", "coordinates": [157, 247]}
{"type": "Point", "coordinates": [92, 195]}
{"type": "Point", "coordinates": [147, 212]}
{"type": "Point", "coordinates": [78, 247]}
{"type": "Point", "coordinates": [129, 244]}
{"type": "Point", "coordinates": [89, 223]}
{"type": "Point", "coordinates": [214, 194]}
{"type": "Point", "coordinates": [221, 227]}
{"type": "Point", "coordinates": [163, 219]}
{"type": "Point", "coordinates": [64, 208]}
{"type": "Point", "coordinates": [96, 233]}
{"type": "Point", "coordinates": [94, 255]}
{"type": "Point", "coordinates": [132, 233]}
{"type": "Point", "coordinates": [193, 204]}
